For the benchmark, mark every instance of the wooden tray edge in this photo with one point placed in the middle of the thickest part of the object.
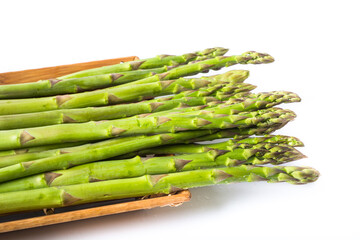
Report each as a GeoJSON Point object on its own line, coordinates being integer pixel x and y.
{"type": "Point", "coordinates": [31, 75]}
{"type": "Point", "coordinates": [170, 200]}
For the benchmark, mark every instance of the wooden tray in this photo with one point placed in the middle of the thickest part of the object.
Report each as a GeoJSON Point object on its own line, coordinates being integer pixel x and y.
{"type": "Point", "coordinates": [68, 214]}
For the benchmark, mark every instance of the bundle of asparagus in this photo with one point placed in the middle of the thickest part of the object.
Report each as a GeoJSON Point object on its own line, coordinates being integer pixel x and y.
{"type": "Point", "coordinates": [99, 134]}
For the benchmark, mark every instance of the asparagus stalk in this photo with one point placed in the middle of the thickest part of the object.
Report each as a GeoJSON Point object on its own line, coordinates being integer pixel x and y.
{"type": "Point", "coordinates": [98, 151]}
{"type": "Point", "coordinates": [228, 145]}
{"type": "Point", "coordinates": [79, 115]}
{"type": "Point", "coordinates": [58, 86]}
{"type": "Point", "coordinates": [240, 133]}
{"type": "Point", "coordinates": [64, 161]}
{"type": "Point", "coordinates": [28, 154]}
{"type": "Point", "coordinates": [55, 86]}
{"type": "Point", "coordinates": [174, 149]}
{"type": "Point", "coordinates": [275, 139]}
{"type": "Point", "coordinates": [243, 133]}
{"type": "Point", "coordinates": [158, 61]}
{"type": "Point", "coordinates": [80, 146]}
{"type": "Point", "coordinates": [53, 197]}
{"type": "Point", "coordinates": [202, 66]}
{"type": "Point", "coordinates": [244, 101]}
{"type": "Point", "coordinates": [137, 166]}
{"type": "Point", "coordinates": [89, 131]}
{"type": "Point", "coordinates": [114, 95]}
{"type": "Point", "coordinates": [37, 149]}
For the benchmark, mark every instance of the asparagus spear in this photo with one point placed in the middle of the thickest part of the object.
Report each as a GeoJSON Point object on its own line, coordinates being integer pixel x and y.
{"type": "Point", "coordinates": [275, 139]}
{"type": "Point", "coordinates": [240, 133]}
{"type": "Point", "coordinates": [80, 146]}
{"type": "Point", "coordinates": [55, 86]}
{"type": "Point", "coordinates": [114, 95]}
{"type": "Point", "coordinates": [108, 151]}
{"type": "Point", "coordinates": [174, 149]}
{"type": "Point", "coordinates": [135, 167]}
{"type": "Point", "coordinates": [28, 154]}
{"type": "Point", "coordinates": [79, 115]}
{"type": "Point", "coordinates": [155, 62]}
{"type": "Point", "coordinates": [201, 66]}
{"type": "Point", "coordinates": [37, 149]}
{"type": "Point", "coordinates": [97, 151]}
{"type": "Point", "coordinates": [149, 184]}
{"type": "Point", "coordinates": [74, 85]}
{"type": "Point", "coordinates": [244, 101]}
{"type": "Point", "coordinates": [89, 131]}
{"type": "Point", "coordinates": [228, 145]}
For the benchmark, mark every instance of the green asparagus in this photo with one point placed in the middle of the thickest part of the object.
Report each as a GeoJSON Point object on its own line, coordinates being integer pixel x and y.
{"type": "Point", "coordinates": [136, 167]}
{"type": "Point", "coordinates": [158, 61]}
{"type": "Point", "coordinates": [38, 149]}
{"type": "Point", "coordinates": [174, 149]}
{"type": "Point", "coordinates": [79, 115]}
{"type": "Point", "coordinates": [115, 95]}
{"type": "Point", "coordinates": [265, 120]}
{"type": "Point", "coordinates": [228, 145]}
{"type": "Point", "coordinates": [45, 163]}
{"type": "Point", "coordinates": [90, 131]}
{"type": "Point", "coordinates": [201, 66]}
{"type": "Point", "coordinates": [28, 154]}
{"type": "Point", "coordinates": [53, 197]}
{"type": "Point", "coordinates": [74, 85]}
{"type": "Point", "coordinates": [97, 151]}
{"type": "Point", "coordinates": [57, 86]}
{"type": "Point", "coordinates": [240, 102]}
{"type": "Point", "coordinates": [241, 133]}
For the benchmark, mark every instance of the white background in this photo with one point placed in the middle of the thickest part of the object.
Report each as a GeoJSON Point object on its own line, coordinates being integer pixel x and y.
{"type": "Point", "coordinates": [316, 47]}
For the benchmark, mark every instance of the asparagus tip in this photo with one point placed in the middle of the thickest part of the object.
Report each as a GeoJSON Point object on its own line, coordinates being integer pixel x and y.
{"type": "Point", "coordinates": [258, 58]}
{"type": "Point", "coordinates": [301, 175]}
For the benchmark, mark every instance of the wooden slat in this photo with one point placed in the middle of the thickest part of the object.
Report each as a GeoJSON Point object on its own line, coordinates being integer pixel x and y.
{"type": "Point", "coordinates": [32, 75]}
{"type": "Point", "coordinates": [171, 200]}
